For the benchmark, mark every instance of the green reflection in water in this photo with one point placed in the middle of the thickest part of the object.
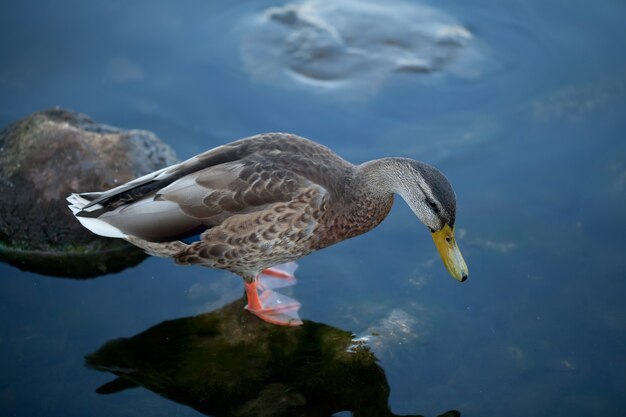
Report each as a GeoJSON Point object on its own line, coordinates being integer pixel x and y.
{"type": "Point", "coordinates": [229, 363]}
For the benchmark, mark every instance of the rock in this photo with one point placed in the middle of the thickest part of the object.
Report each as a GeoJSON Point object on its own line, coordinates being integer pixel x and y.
{"type": "Point", "coordinates": [45, 157]}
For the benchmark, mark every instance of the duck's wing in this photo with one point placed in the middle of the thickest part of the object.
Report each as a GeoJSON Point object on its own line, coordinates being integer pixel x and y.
{"type": "Point", "coordinates": [200, 193]}
{"type": "Point", "coordinates": [150, 183]}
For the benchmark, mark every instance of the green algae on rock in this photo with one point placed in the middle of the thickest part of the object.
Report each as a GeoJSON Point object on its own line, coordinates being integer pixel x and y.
{"type": "Point", "coordinates": [45, 157]}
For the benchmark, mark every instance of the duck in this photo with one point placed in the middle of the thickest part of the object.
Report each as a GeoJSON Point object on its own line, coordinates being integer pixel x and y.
{"type": "Point", "coordinates": [256, 205]}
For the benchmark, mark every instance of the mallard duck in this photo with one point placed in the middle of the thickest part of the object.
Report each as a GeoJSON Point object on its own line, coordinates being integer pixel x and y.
{"type": "Point", "coordinates": [255, 205]}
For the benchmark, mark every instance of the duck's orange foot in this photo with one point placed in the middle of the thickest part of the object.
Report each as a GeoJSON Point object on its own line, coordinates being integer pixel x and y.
{"type": "Point", "coordinates": [272, 307]}
{"type": "Point", "coordinates": [277, 309]}
{"type": "Point", "coordinates": [278, 276]}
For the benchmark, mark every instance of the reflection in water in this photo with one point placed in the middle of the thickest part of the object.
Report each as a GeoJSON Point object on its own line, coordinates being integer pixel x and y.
{"type": "Point", "coordinates": [229, 363]}
{"type": "Point", "coordinates": [356, 43]}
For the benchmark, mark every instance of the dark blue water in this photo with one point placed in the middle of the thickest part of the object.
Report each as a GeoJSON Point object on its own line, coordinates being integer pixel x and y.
{"type": "Point", "coordinates": [534, 146]}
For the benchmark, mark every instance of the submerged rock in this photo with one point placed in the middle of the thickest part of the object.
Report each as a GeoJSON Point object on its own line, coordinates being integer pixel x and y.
{"type": "Point", "coordinates": [230, 363]}
{"type": "Point", "coordinates": [355, 42]}
{"type": "Point", "coordinates": [45, 157]}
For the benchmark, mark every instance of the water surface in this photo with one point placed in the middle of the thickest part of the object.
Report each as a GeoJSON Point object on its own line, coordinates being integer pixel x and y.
{"type": "Point", "coordinates": [534, 146]}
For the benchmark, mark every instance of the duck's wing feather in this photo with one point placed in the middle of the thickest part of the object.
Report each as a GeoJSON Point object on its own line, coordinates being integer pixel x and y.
{"type": "Point", "coordinates": [148, 184]}
{"type": "Point", "coordinates": [309, 159]}
{"type": "Point", "coordinates": [201, 193]}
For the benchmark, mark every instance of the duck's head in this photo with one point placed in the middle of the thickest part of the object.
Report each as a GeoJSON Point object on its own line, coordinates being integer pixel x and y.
{"type": "Point", "coordinates": [431, 197]}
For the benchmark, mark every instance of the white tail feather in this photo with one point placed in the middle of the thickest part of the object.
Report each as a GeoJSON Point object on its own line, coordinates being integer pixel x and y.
{"type": "Point", "coordinates": [97, 226]}
{"type": "Point", "coordinates": [76, 202]}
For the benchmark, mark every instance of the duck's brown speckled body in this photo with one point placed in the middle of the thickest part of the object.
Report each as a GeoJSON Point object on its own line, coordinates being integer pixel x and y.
{"type": "Point", "coordinates": [286, 197]}
{"type": "Point", "coordinates": [259, 202]}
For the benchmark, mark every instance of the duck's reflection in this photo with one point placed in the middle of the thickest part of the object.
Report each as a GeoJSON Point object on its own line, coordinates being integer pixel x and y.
{"type": "Point", "coordinates": [230, 363]}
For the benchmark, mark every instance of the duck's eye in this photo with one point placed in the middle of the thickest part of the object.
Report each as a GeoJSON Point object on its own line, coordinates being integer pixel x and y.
{"type": "Point", "coordinates": [432, 205]}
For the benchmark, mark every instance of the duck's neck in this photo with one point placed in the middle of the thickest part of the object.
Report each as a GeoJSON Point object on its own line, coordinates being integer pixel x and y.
{"type": "Point", "coordinates": [365, 202]}
{"type": "Point", "coordinates": [384, 177]}
{"type": "Point", "coordinates": [380, 178]}
{"type": "Point", "coordinates": [371, 194]}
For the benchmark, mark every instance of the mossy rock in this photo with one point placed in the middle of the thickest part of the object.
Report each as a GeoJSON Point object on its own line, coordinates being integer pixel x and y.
{"type": "Point", "coordinates": [44, 158]}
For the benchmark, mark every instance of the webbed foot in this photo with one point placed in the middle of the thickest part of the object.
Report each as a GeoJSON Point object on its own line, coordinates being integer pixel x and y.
{"type": "Point", "coordinates": [278, 276]}
{"type": "Point", "coordinates": [269, 305]}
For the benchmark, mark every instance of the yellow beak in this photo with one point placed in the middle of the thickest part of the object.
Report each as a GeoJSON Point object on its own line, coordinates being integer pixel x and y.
{"type": "Point", "coordinates": [450, 253]}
